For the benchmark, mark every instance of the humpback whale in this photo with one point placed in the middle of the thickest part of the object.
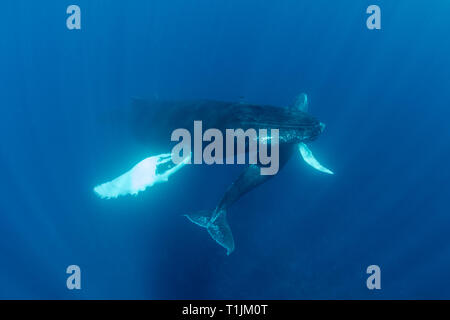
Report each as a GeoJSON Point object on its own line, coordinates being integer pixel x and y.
{"type": "Point", "coordinates": [154, 121]}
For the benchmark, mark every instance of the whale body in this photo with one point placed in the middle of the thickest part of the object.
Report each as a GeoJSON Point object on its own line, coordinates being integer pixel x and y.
{"type": "Point", "coordinates": [154, 121]}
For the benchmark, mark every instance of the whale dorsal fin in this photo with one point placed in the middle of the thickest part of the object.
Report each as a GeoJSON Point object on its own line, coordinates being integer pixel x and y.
{"type": "Point", "coordinates": [301, 102]}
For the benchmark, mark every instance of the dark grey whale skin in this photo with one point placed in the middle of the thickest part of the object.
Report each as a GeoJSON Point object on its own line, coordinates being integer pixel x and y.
{"type": "Point", "coordinates": [154, 121]}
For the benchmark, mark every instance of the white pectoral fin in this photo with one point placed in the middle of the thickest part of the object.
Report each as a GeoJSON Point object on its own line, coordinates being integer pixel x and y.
{"type": "Point", "coordinates": [309, 159]}
{"type": "Point", "coordinates": [146, 173]}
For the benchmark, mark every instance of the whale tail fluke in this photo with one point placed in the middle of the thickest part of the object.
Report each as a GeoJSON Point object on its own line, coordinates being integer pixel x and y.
{"type": "Point", "coordinates": [217, 226]}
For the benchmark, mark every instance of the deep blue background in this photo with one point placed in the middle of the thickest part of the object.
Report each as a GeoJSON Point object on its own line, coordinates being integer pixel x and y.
{"type": "Point", "coordinates": [384, 96]}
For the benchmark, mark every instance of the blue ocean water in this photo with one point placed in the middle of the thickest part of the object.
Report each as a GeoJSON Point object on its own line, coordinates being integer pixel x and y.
{"type": "Point", "coordinates": [383, 94]}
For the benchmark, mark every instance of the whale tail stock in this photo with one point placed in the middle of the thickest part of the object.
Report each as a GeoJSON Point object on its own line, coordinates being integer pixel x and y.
{"type": "Point", "coordinates": [216, 224]}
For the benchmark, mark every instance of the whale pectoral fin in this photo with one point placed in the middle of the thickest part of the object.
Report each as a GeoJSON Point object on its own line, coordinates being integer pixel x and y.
{"type": "Point", "coordinates": [309, 159]}
{"type": "Point", "coordinates": [218, 229]}
{"type": "Point", "coordinates": [146, 173]}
